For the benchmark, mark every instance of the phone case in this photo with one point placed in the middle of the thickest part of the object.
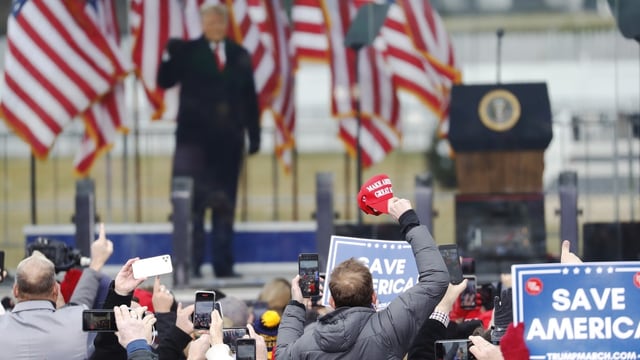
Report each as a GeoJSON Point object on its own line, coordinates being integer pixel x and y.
{"type": "Point", "coordinates": [157, 265]}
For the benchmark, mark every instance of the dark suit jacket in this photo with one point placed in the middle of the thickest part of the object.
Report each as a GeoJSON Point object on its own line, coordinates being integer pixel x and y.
{"type": "Point", "coordinates": [216, 108]}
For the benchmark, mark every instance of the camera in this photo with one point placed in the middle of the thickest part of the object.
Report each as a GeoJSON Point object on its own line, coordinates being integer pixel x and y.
{"type": "Point", "coordinates": [62, 256]}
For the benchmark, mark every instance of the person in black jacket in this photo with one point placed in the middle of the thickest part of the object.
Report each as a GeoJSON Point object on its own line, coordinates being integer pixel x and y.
{"type": "Point", "coordinates": [218, 107]}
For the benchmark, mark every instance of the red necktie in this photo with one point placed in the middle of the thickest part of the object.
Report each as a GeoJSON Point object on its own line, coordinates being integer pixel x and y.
{"type": "Point", "coordinates": [218, 59]}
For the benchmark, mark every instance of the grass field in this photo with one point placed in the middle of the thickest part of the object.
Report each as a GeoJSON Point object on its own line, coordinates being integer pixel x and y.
{"type": "Point", "coordinates": [266, 194]}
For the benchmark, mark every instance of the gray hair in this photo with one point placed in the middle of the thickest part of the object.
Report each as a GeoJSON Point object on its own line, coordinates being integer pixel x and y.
{"type": "Point", "coordinates": [219, 9]}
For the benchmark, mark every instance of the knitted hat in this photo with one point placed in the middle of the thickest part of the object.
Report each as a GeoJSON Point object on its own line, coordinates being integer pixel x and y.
{"type": "Point", "coordinates": [267, 327]}
{"type": "Point", "coordinates": [512, 343]}
{"type": "Point", "coordinates": [268, 323]}
{"type": "Point", "coordinates": [375, 194]}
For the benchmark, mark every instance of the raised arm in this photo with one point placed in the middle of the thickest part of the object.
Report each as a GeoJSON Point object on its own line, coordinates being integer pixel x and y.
{"type": "Point", "coordinates": [405, 315]}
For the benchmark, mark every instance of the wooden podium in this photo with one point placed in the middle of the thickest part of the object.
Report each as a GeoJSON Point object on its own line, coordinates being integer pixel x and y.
{"type": "Point", "coordinates": [499, 171]}
{"type": "Point", "coordinates": [499, 134]}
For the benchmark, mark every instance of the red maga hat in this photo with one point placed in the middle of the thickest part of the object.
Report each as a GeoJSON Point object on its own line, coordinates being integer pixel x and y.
{"type": "Point", "coordinates": [375, 194]}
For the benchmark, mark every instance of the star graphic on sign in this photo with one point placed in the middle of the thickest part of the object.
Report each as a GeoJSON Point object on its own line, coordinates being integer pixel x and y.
{"type": "Point", "coordinates": [565, 271]}
{"type": "Point", "coordinates": [393, 246]}
{"type": "Point", "coordinates": [610, 270]}
{"type": "Point", "coordinates": [576, 271]}
{"type": "Point", "coordinates": [368, 245]}
{"type": "Point", "coordinates": [376, 246]}
{"type": "Point", "coordinates": [587, 271]}
{"type": "Point", "coordinates": [384, 246]}
{"type": "Point", "coordinates": [599, 270]}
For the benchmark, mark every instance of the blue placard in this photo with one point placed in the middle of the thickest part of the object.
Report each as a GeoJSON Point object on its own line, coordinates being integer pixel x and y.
{"type": "Point", "coordinates": [391, 263]}
{"type": "Point", "coordinates": [579, 311]}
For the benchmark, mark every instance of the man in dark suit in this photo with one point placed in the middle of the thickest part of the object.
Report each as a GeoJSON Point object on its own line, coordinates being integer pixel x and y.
{"type": "Point", "coordinates": [218, 106]}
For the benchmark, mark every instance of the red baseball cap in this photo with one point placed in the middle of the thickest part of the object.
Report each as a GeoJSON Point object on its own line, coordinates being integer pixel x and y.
{"type": "Point", "coordinates": [375, 194]}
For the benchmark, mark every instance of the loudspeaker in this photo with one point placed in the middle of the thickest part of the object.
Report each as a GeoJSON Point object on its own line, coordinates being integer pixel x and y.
{"type": "Point", "coordinates": [611, 241]}
{"type": "Point", "coordinates": [627, 14]}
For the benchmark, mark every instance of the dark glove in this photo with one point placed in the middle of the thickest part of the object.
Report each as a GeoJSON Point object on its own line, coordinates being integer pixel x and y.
{"type": "Point", "coordinates": [254, 147]}
{"type": "Point", "coordinates": [502, 315]}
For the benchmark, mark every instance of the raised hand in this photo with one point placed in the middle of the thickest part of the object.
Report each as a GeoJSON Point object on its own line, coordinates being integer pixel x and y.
{"type": "Point", "coordinates": [101, 250]}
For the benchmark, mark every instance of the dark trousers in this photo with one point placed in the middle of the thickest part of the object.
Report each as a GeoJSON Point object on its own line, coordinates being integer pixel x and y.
{"type": "Point", "coordinates": [215, 175]}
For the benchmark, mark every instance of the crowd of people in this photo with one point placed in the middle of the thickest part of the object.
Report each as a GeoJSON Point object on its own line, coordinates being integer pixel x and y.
{"type": "Point", "coordinates": [284, 324]}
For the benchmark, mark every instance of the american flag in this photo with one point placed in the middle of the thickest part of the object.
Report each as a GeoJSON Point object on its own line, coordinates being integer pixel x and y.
{"type": "Point", "coordinates": [379, 106]}
{"type": "Point", "coordinates": [309, 39]}
{"type": "Point", "coordinates": [410, 69]}
{"type": "Point", "coordinates": [430, 38]}
{"type": "Point", "coordinates": [276, 25]}
{"type": "Point", "coordinates": [56, 64]}
{"type": "Point", "coordinates": [152, 24]}
{"type": "Point", "coordinates": [105, 118]}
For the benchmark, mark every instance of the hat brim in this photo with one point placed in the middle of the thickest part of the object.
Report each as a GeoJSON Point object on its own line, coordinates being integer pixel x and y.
{"type": "Point", "coordinates": [380, 207]}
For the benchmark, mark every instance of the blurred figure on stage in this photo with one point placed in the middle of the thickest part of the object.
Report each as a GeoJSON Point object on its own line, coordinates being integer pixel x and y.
{"type": "Point", "coordinates": [218, 108]}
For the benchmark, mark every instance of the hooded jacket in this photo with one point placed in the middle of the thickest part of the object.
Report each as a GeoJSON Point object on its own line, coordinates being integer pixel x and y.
{"type": "Point", "coordinates": [362, 333]}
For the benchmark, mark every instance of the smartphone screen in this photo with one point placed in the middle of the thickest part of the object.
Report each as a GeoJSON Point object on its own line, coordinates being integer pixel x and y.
{"type": "Point", "coordinates": [1, 265]}
{"type": "Point", "coordinates": [468, 296]}
{"type": "Point", "coordinates": [205, 301]}
{"type": "Point", "coordinates": [468, 266]}
{"type": "Point", "coordinates": [98, 321]}
{"type": "Point", "coordinates": [157, 265]}
{"type": "Point", "coordinates": [246, 349]}
{"type": "Point", "coordinates": [453, 349]}
{"type": "Point", "coordinates": [452, 260]}
{"type": "Point", "coordinates": [309, 274]}
{"type": "Point", "coordinates": [230, 336]}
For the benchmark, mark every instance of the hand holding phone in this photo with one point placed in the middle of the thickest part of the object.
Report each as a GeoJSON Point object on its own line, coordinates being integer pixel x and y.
{"type": "Point", "coordinates": [451, 259]}
{"type": "Point", "coordinates": [308, 269]}
{"type": "Point", "coordinates": [204, 305]}
{"type": "Point", "coordinates": [153, 266]}
{"type": "Point", "coordinates": [468, 296]}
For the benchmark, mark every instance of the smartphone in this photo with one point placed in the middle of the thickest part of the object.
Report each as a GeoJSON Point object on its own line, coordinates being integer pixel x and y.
{"type": "Point", "coordinates": [98, 321]}
{"type": "Point", "coordinates": [468, 266]}
{"type": "Point", "coordinates": [230, 336]}
{"type": "Point", "coordinates": [157, 265]}
{"type": "Point", "coordinates": [218, 306]}
{"type": "Point", "coordinates": [309, 274]}
{"type": "Point", "coordinates": [1, 266]}
{"type": "Point", "coordinates": [205, 301]}
{"type": "Point", "coordinates": [451, 258]}
{"type": "Point", "coordinates": [453, 349]}
{"type": "Point", "coordinates": [246, 349]}
{"type": "Point", "coordinates": [468, 296]}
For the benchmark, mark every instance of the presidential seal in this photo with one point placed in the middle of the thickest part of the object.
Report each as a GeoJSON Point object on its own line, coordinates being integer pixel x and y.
{"type": "Point", "coordinates": [499, 110]}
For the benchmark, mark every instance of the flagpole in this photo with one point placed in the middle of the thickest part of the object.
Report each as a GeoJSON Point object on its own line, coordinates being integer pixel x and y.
{"type": "Point", "coordinates": [274, 177]}
{"type": "Point", "coordinates": [294, 188]}
{"type": "Point", "coordinates": [34, 211]}
{"type": "Point", "coordinates": [136, 159]}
